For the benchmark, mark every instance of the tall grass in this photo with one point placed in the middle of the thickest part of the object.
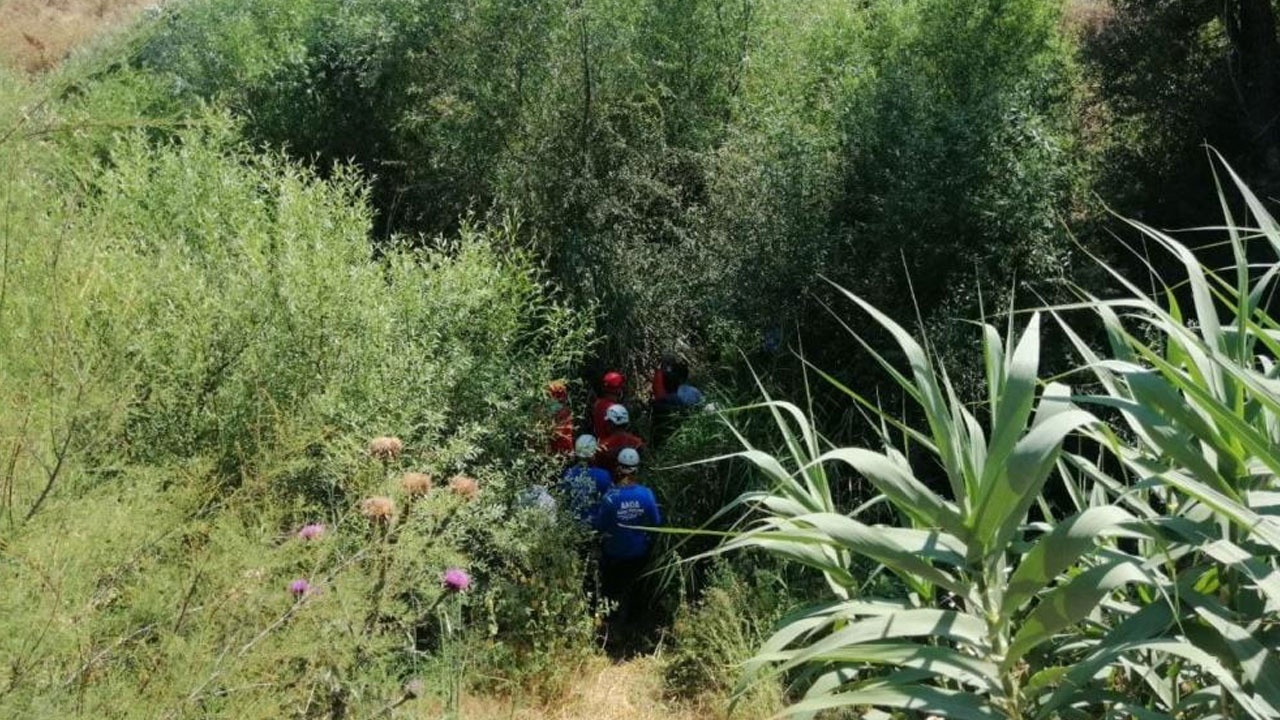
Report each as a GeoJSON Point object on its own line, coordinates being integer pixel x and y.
{"type": "Point", "coordinates": [1148, 590]}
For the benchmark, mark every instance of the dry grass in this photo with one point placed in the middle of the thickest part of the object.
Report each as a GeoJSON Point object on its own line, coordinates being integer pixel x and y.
{"type": "Point", "coordinates": [604, 691]}
{"type": "Point", "coordinates": [37, 34]}
{"type": "Point", "coordinates": [1087, 17]}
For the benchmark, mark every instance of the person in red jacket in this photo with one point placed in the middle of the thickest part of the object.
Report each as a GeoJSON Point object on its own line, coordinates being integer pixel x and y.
{"type": "Point", "coordinates": [672, 372]}
{"type": "Point", "coordinates": [617, 438]}
{"type": "Point", "coordinates": [611, 394]}
{"type": "Point", "coordinates": [561, 419]}
{"type": "Point", "coordinates": [671, 375]}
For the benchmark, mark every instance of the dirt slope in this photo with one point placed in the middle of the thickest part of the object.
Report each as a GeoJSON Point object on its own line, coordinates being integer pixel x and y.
{"type": "Point", "coordinates": [630, 690]}
{"type": "Point", "coordinates": [37, 34]}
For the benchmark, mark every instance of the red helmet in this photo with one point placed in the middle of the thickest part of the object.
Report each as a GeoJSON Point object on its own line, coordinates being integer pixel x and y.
{"type": "Point", "coordinates": [614, 381]}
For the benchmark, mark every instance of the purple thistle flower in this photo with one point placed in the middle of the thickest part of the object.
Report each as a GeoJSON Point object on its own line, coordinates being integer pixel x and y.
{"type": "Point", "coordinates": [299, 588]}
{"type": "Point", "coordinates": [312, 531]}
{"type": "Point", "coordinates": [456, 579]}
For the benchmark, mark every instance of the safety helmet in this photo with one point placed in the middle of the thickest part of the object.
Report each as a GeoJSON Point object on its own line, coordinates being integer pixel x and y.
{"type": "Point", "coordinates": [585, 446]}
{"type": "Point", "coordinates": [617, 414]}
{"type": "Point", "coordinates": [614, 381]}
{"type": "Point", "coordinates": [689, 396]}
{"type": "Point", "coordinates": [628, 459]}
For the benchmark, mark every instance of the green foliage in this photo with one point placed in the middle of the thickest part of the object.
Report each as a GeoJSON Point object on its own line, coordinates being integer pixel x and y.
{"type": "Point", "coordinates": [713, 635]}
{"type": "Point", "coordinates": [1136, 598]}
{"type": "Point", "coordinates": [1165, 79]}
{"type": "Point", "coordinates": [199, 344]}
{"type": "Point", "coordinates": [687, 168]}
{"type": "Point", "coordinates": [252, 236]}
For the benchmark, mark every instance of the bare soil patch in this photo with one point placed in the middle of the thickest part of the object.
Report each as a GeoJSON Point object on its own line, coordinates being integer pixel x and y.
{"type": "Point", "coordinates": [35, 35]}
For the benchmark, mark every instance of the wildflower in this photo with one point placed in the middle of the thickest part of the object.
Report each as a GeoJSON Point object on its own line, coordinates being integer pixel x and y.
{"type": "Point", "coordinates": [467, 487]}
{"type": "Point", "coordinates": [456, 579]}
{"type": "Point", "coordinates": [415, 484]}
{"type": "Point", "coordinates": [386, 447]}
{"type": "Point", "coordinates": [378, 509]}
{"type": "Point", "coordinates": [299, 588]}
{"type": "Point", "coordinates": [312, 531]}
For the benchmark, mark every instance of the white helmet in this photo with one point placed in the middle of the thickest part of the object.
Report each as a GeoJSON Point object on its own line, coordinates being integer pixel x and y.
{"type": "Point", "coordinates": [617, 414]}
{"type": "Point", "coordinates": [628, 459]}
{"type": "Point", "coordinates": [585, 446]}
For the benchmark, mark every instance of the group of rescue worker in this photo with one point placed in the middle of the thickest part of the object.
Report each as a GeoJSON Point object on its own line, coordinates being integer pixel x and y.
{"type": "Point", "coordinates": [601, 482]}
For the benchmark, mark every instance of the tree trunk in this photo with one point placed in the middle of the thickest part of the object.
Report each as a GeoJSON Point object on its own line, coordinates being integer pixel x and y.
{"type": "Point", "coordinates": [1251, 27]}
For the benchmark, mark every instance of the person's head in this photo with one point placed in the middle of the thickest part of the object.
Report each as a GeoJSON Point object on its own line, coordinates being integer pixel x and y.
{"type": "Point", "coordinates": [617, 416]}
{"type": "Point", "coordinates": [613, 382]}
{"type": "Point", "coordinates": [585, 447]}
{"type": "Point", "coordinates": [628, 464]}
{"type": "Point", "coordinates": [558, 391]}
{"type": "Point", "coordinates": [675, 369]}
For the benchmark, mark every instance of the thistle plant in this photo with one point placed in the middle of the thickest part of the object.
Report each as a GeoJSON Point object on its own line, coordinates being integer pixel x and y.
{"type": "Point", "coordinates": [386, 448]}
{"type": "Point", "coordinates": [415, 484]}
{"type": "Point", "coordinates": [311, 531]}
{"type": "Point", "coordinates": [464, 486]}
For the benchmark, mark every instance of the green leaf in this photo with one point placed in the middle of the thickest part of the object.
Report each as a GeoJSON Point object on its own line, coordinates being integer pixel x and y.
{"type": "Point", "coordinates": [920, 698]}
{"type": "Point", "coordinates": [1108, 651]}
{"type": "Point", "coordinates": [993, 362]}
{"type": "Point", "coordinates": [923, 387]}
{"type": "Point", "coordinates": [1016, 400]}
{"type": "Point", "coordinates": [962, 628]}
{"type": "Point", "coordinates": [1258, 665]}
{"type": "Point", "coordinates": [934, 659]}
{"type": "Point", "coordinates": [901, 488]}
{"type": "Point", "coordinates": [1058, 550]}
{"type": "Point", "coordinates": [1005, 504]}
{"type": "Point", "coordinates": [1264, 528]}
{"type": "Point", "coordinates": [1070, 603]}
{"type": "Point", "coordinates": [854, 536]}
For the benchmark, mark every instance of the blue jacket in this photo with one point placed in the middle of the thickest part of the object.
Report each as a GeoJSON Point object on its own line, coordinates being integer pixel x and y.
{"type": "Point", "coordinates": [627, 505]}
{"type": "Point", "coordinates": [583, 487]}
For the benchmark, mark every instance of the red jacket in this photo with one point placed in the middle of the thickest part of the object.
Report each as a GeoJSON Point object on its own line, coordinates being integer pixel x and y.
{"type": "Point", "coordinates": [599, 427]}
{"type": "Point", "coordinates": [660, 389]}
{"type": "Point", "coordinates": [607, 454]}
{"type": "Point", "coordinates": [562, 432]}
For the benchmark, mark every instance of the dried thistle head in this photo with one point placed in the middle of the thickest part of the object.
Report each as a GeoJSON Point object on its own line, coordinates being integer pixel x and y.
{"type": "Point", "coordinates": [415, 484]}
{"type": "Point", "coordinates": [386, 447]}
{"type": "Point", "coordinates": [415, 688]}
{"type": "Point", "coordinates": [378, 509]}
{"type": "Point", "coordinates": [464, 486]}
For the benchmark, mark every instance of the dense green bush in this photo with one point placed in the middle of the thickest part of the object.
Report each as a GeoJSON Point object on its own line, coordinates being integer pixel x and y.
{"type": "Point", "coordinates": [1164, 80]}
{"type": "Point", "coordinates": [686, 168]}
{"type": "Point", "coordinates": [712, 635]}
{"type": "Point", "coordinates": [200, 342]}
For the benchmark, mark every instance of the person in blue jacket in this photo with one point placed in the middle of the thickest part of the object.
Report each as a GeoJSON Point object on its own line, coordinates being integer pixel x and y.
{"type": "Point", "coordinates": [582, 484]}
{"type": "Point", "coordinates": [625, 548]}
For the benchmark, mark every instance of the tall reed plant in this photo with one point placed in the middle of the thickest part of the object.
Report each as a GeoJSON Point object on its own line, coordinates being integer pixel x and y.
{"type": "Point", "coordinates": [1148, 591]}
